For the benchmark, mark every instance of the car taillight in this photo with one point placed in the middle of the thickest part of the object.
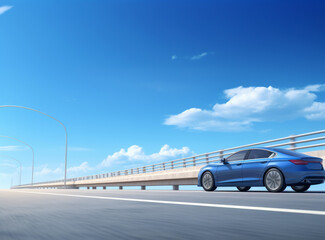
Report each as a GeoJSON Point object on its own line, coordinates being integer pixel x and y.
{"type": "Point", "coordinates": [299, 162]}
{"type": "Point", "coordinates": [303, 162]}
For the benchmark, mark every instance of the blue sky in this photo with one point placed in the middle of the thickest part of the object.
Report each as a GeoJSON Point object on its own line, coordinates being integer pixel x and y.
{"type": "Point", "coordinates": [145, 74]}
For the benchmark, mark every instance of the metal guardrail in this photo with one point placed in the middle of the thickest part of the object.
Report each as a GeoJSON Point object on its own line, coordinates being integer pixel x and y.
{"type": "Point", "coordinates": [206, 158]}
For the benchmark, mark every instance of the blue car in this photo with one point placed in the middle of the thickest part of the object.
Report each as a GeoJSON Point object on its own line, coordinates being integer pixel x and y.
{"type": "Point", "coordinates": [273, 168]}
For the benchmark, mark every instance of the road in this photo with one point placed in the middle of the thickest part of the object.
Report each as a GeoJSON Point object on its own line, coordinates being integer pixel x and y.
{"type": "Point", "coordinates": [157, 214]}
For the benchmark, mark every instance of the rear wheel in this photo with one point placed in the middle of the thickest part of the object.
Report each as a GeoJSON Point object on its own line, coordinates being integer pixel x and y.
{"type": "Point", "coordinates": [243, 189]}
{"type": "Point", "coordinates": [274, 180]}
{"type": "Point", "coordinates": [207, 182]}
{"type": "Point", "coordinates": [301, 188]}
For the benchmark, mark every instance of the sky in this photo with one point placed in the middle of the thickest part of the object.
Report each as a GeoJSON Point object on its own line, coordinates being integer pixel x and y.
{"type": "Point", "coordinates": [138, 82]}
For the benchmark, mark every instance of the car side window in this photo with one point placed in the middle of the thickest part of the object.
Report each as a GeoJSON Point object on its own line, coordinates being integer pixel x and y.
{"type": "Point", "coordinates": [259, 153]}
{"type": "Point", "coordinates": [237, 156]}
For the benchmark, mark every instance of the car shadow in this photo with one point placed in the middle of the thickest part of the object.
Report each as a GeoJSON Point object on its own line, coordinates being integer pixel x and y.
{"type": "Point", "coordinates": [285, 192]}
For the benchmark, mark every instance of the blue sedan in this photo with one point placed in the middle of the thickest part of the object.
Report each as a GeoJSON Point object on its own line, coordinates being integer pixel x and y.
{"type": "Point", "coordinates": [273, 168]}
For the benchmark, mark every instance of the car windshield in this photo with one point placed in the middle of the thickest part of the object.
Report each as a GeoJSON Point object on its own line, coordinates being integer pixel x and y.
{"type": "Point", "coordinates": [291, 153]}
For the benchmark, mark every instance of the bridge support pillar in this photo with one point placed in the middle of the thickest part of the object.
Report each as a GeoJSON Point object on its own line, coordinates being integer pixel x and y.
{"type": "Point", "coordinates": [94, 187]}
{"type": "Point", "coordinates": [104, 187]}
{"type": "Point", "coordinates": [175, 187]}
{"type": "Point", "coordinates": [120, 187]}
{"type": "Point", "coordinates": [143, 187]}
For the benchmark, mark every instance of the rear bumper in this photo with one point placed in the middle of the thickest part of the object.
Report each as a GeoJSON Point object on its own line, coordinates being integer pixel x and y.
{"type": "Point", "coordinates": [313, 180]}
{"type": "Point", "coordinates": [305, 177]}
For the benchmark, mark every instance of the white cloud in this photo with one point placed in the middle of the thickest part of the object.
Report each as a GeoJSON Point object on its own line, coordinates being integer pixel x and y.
{"type": "Point", "coordinates": [316, 111]}
{"type": "Point", "coordinates": [195, 57]}
{"type": "Point", "coordinates": [8, 165]}
{"type": "Point", "coordinates": [199, 56]}
{"type": "Point", "coordinates": [83, 167]}
{"type": "Point", "coordinates": [136, 155]}
{"type": "Point", "coordinates": [4, 9]}
{"type": "Point", "coordinates": [247, 105]}
{"type": "Point", "coordinates": [5, 175]}
{"type": "Point", "coordinates": [315, 88]}
{"type": "Point", "coordinates": [132, 156]}
{"type": "Point", "coordinates": [12, 148]}
{"type": "Point", "coordinates": [48, 171]}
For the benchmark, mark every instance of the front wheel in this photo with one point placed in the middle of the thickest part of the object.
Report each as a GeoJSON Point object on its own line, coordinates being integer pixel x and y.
{"type": "Point", "coordinates": [274, 180]}
{"type": "Point", "coordinates": [208, 182]}
{"type": "Point", "coordinates": [243, 189]}
{"type": "Point", "coordinates": [301, 188]}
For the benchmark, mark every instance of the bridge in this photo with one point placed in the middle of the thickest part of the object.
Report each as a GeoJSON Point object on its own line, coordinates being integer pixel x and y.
{"type": "Point", "coordinates": [27, 213]}
{"type": "Point", "coordinates": [181, 171]}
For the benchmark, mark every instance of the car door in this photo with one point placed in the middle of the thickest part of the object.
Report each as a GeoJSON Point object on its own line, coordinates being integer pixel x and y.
{"type": "Point", "coordinates": [229, 173]}
{"type": "Point", "coordinates": [254, 165]}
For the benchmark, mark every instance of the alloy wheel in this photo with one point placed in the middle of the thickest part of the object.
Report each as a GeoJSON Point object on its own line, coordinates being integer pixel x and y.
{"type": "Point", "coordinates": [274, 181]}
{"type": "Point", "coordinates": [208, 182]}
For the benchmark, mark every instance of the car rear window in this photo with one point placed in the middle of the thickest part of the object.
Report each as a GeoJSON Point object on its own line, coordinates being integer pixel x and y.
{"type": "Point", "coordinates": [291, 153]}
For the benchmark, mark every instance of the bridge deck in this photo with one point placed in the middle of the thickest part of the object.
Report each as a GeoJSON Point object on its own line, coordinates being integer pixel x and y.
{"type": "Point", "coordinates": [113, 214]}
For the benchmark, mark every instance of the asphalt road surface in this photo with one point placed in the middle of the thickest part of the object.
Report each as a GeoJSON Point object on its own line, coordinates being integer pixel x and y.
{"type": "Point", "coordinates": [155, 214]}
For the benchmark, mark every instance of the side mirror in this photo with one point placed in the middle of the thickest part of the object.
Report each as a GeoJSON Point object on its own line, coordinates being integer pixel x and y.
{"type": "Point", "coordinates": [223, 160]}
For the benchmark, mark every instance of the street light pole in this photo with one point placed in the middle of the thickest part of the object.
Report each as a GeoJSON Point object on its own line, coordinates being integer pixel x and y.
{"type": "Point", "coordinates": [20, 166]}
{"type": "Point", "coordinates": [30, 149]}
{"type": "Point", "coordinates": [65, 130]}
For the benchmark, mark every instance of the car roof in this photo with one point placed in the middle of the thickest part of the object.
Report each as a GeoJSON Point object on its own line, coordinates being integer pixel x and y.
{"type": "Point", "coordinates": [259, 148]}
{"type": "Point", "coordinates": [281, 151]}
{"type": "Point", "coordinates": [272, 149]}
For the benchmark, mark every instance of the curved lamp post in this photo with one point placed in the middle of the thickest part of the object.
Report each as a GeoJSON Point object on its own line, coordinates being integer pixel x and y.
{"type": "Point", "coordinates": [30, 149]}
{"type": "Point", "coordinates": [20, 168]}
{"type": "Point", "coordinates": [65, 129]}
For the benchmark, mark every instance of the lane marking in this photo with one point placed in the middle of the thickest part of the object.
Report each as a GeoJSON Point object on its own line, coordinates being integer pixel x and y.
{"type": "Point", "coordinates": [213, 205]}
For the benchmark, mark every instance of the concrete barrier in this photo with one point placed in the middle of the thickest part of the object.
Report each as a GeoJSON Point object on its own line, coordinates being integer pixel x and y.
{"type": "Point", "coordinates": [174, 177]}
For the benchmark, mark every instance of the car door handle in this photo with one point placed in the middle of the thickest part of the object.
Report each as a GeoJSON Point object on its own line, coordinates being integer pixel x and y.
{"type": "Point", "coordinates": [264, 162]}
{"type": "Point", "coordinates": [238, 164]}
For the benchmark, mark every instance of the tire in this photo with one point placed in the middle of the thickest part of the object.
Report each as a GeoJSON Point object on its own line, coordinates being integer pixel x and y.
{"type": "Point", "coordinates": [301, 188]}
{"type": "Point", "coordinates": [207, 182]}
{"type": "Point", "coordinates": [274, 180]}
{"type": "Point", "coordinates": [243, 189]}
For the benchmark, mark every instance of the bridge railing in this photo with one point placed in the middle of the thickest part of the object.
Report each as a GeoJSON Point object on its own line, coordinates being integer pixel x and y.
{"type": "Point", "coordinates": [293, 142]}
